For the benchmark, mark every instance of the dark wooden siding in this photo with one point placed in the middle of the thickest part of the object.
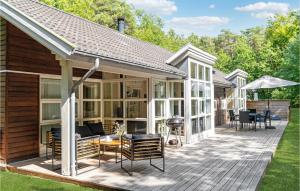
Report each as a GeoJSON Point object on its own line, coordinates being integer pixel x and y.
{"type": "Point", "coordinates": [22, 116]}
{"type": "Point", "coordinates": [2, 88]}
{"type": "Point", "coordinates": [21, 128]}
{"type": "Point", "coordinates": [26, 54]}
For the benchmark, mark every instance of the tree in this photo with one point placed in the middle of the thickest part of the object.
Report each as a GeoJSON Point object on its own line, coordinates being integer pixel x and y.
{"type": "Point", "coordinates": [107, 13]}
{"type": "Point", "coordinates": [283, 29]}
{"type": "Point", "coordinates": [82, 8]}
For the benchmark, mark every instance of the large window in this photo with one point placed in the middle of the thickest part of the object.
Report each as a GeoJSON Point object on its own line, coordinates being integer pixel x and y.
{"type": "Point", "coordinates": [200, 77]}
{"type": "Point", "coordinates": [116, 99]}
{"type": "Point", "coordinates": [125, 101]}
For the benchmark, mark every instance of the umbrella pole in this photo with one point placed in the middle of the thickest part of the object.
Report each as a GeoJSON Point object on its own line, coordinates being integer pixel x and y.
{"type": "Point", "coordinates": [270, 119]}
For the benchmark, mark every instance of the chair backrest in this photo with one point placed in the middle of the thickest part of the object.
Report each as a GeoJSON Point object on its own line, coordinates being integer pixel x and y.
{"type": "Point", "coordinates": [244, 117]}
{"type": "Point", "coordinates": [96, 128]}
{"type": "Point", "coordinates": [231, 114]}
{"type": "Point", "coordinates": [83, 131]}
{"type": "Point", "coordinates": [252, 110]}
{"type": "Point", "coordinates": [267, 115]}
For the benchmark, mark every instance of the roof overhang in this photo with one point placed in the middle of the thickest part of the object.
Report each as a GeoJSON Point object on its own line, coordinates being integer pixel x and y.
{"type": "Point", "coordinates": [237, 72]}
{"type": "Point", "coordinates": [192, 52]}
{"type": "Point", "coordinates": [119, 66]}
{"type": "Point", "coordinates": [46, 37]}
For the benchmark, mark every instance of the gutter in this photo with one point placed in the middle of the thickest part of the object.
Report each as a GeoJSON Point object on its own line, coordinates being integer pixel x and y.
{"type": "Point", "coordinates": [179, 73]}
{"type": "Point", "coordinates": [72, 113]}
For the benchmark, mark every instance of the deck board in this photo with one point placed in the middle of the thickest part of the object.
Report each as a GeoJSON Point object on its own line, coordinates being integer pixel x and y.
{"type": "Point", "coordinates": [229, 160]}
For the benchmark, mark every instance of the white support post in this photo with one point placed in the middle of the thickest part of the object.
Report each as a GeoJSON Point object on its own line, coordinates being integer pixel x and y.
{"type": "Point", "coordinates": [212, 109]}
{"type": "Point", "coordinates": [187, 110]}
{"type": "Point", "coordinates": [66, 85]}
{"type": "Point", "coordinates": [151, 119]}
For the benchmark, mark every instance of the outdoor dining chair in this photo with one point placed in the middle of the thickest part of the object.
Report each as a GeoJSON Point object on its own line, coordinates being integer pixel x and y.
{"type": "Point", "coordinates": [233, 119]}
{"type": "Point", "coordinates": [244, 118]}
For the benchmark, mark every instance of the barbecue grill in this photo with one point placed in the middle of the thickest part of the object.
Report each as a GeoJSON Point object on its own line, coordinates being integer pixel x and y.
{"type": "Point", "coordinates": [175, 124]}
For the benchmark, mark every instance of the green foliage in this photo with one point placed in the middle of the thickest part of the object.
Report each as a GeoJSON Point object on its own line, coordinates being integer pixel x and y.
{"type": "Point", "coordinates": [107, 13]}
{"type": "Point", "coordinates": [16, 182]}
{"type": "Point", "coordinates": [82, 8]}
{"type": "Point", "coordinates": [283, 172]}
{"type": "Point", "coordinates": [273, 50]}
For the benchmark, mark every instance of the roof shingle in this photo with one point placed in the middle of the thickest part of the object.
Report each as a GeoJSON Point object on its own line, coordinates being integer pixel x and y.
{"type": "Point", "coordinates": [95, 39]}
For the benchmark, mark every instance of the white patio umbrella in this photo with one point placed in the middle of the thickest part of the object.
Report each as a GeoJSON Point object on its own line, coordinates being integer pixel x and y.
{"type": "Point", "coordinates": [268, 82]}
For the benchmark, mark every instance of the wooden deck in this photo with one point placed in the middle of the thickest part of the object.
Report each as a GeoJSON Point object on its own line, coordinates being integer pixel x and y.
{"type": "Point", "coordinates": [229, 160]}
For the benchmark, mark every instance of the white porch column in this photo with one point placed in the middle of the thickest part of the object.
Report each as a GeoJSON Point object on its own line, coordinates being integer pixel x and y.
{"type": "Point", "coordinates": [151, 119]}
{"type": "Point", "coordinates": [212, 103]}
{"type": "Point", "coordinates": [187, 110]}
{"type": "Point", "coordinates": [66, 85]}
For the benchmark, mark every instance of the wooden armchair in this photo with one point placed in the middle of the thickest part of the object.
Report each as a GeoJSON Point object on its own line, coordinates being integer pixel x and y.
{"type": "Point", "coordinates": [142, 147]}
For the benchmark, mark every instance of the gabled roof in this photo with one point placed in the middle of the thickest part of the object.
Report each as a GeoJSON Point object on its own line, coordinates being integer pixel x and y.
{"type": "Point", "coordinates": [88, 38]}
{"type": "Point", "coordinates": [220, 80]}
{"type": "Point", "coordinates": [237, 72]}
{"type": "Point", "coordinates": [191, 51]}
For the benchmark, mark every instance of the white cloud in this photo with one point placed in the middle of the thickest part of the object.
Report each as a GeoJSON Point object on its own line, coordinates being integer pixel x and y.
{"type": "Point", "coordinates": [157, 7]}
{"type": "Point", "coordinates": [264, 10]}
{"type": "Point", "coordinates": [212, 6]}
{"type": "Point", "coordinates": [198, 22]}
{"type": "Point", "coordinates": [263, 15]}
{"type": "Point", "coordinates": [188, 25]}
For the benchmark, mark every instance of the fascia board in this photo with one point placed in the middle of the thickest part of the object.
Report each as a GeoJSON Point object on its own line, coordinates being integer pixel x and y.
{"type": "Point", "coordinates": [35, 30]}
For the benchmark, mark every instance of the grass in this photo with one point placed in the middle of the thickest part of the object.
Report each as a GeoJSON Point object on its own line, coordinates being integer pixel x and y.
{"type": "Point", "coordinates": [16, 182]}
{"type": "Point", "coordinates": [283, 172]}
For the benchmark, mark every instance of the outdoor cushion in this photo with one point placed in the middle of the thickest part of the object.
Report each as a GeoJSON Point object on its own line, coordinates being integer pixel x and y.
{"type": "Point", "coordinates": [96, 128]}
{"type": "Point", "coordinates": [145, 136]}
{"type": "Point", "coordinates": [84, 131]}
{"type": "Point", "coordinates": [56, 132]}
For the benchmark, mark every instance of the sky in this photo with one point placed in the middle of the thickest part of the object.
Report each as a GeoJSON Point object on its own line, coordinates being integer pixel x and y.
{"type": "Point", "coordinates": [209, 17]}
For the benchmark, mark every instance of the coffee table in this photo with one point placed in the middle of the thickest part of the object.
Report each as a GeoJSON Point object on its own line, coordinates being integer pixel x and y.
{"type": "Point", "coordinates": [109, 143]}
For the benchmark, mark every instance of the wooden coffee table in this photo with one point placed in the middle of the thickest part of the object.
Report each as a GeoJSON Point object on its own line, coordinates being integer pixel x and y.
{"type": "Point", "coordinates": [108, 143]}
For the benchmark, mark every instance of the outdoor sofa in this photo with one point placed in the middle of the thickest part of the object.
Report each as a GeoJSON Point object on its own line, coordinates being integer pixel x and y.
{"type": "Point", "coordinates": [85, 137]}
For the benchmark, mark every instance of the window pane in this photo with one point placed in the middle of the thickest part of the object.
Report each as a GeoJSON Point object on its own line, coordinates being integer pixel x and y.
{"type": "Point", "coordinates": [202, 106]}
{"type": "Point", "coordinates": [208, 123]}
{"type": "Point", "coordinates": [194, 107]}
{"type": "Point", "coordinates": [182, 108]}
{"type": "Point", "coordinates": [136, 127]}
{"type": "Point", "coordinates": [136, 89]}
{"type": "Point", "coordinates": [200, 72]}
{"type": "Point", "coordinates": [207, 90]}
{"type": "Point", "coordinates": [159, 108]}
{"type": "Point", "coordinates": [136, 109]}
{"type": "Point", "coordinates": [194, 89]}
{"type": "Point", "coordinates": [50, 89]}
{"type": "Point", "coordinates": [201, 89]}
{"type": "Point", "coordinates": [207, 74]}
{"type": "Point", "coordinates": [159, 89]}
{"type": "Point", "coordinates": [50, 111]}
{"type": "Point", "coordinates": [176, 89]}
{"type": "Point", "coordinates": [208, 106]}
{"type": "Point", "coordinates": [91, 109]}
{"type": "Point", "coordinates": [193, 70]}
{"type": "Point", "coordinates": [113, 109]}
{"type": "Point", "coordinates": [174, 107]}
{"type": "Point", "coordinates": [113, 90]}
{"type": "Point", "coordinates": [195, 126]}
{"type": "Point", "coordinates": [160, 127]}
{"type": "Point", "coordinates": [91, 90]}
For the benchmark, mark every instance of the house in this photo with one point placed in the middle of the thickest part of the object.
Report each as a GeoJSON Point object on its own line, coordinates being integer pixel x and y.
{"type": "Point", "coordinates": [59, 70]}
